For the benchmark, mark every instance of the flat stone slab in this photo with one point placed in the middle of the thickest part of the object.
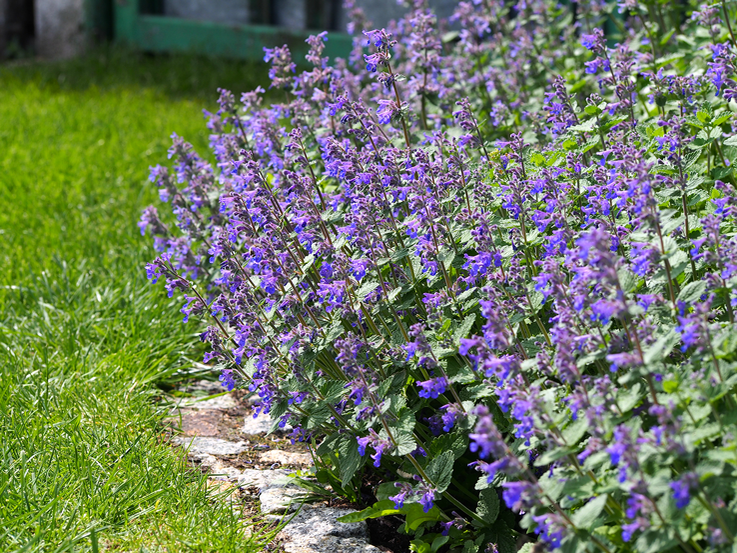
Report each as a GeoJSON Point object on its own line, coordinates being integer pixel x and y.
{"type": "Point", "coordinates": [330, 544]}
{"type": "Point", "coordinates": [200, 423]}
{"type": "Point", "coordinates": [319, 521]}
{"type": "Point", "coordinates": [286, 458]}
{"type": "Point", "coordinates": [218, 402]}
{"type": "Point", "coordinates": [200, 446]}
{"type": "Point", "coordinates": [256, 426]}
{"type": "Point", "coordinates": [220, 470]}
{"type": "Point", "coordinates": [264, 479]}
{"type": "Point", "coordinates": [280, 500]}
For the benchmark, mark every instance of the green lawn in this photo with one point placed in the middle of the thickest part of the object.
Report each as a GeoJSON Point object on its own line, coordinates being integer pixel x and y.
{"type": "Point", "coordinates": [84, 339]}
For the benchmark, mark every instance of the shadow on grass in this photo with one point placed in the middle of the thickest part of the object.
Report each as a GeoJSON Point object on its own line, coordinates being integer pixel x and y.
{"type": "Point", "coordinates": [176, 76]}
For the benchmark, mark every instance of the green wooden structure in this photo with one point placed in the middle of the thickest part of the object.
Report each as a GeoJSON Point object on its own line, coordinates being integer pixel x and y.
{"type": "Point", "coordinates": [158, 33]}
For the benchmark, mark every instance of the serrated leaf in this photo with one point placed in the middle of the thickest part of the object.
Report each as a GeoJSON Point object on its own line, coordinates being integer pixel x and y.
{"type": "Point", "coordinates": [586, 126]}
{"type": "Point", "coordinates": [656, 541]}
{"type": "Point", "coordinates": [349, 460]}
{"type": "Point", "coordinates": [419, 546]}
{"type": "Point", "coordinates": [464, 328]}
{"type": "Point", "coordinates": [692, 291]}
{"type": "Point", "coordinates": [440, 470]}
{"type": "Point", "coordinates": [451, 441]}
{"type": "Point", "coordinates": [628, 398]}
{"type": "Point", "coordinates": [378, 509]}
{"type": "Point", "coordinates": [586, 516]}
{"type": "Point", "coordinates": [366, 289]}
{"type": "Point", "coordinates": [573, 433]}
{"type": "Point", "coordinates": [416, 515]}
{"type": "Point", "coordinates": [662, 347]}
{"type": "Point", "coordinates": [488, 505]}
{"type": "Point", "coordinates": [446, 257]}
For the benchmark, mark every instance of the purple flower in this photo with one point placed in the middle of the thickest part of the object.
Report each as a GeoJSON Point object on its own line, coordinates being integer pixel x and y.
{"type": "Point", "coordinates": [427, 498]}
{"type": "Point", "coordinates": [595, 41]}
{"type": "Point", "coordinates": [682, 488]}
{"type": "Point", "coordinates": [405, 491]}
{"type": "Point", "coordinates": [432, 388]}
{"type": "Point", "coordinates": [520, 496]}
{"type": "Point", "coordinates": [326, 271]}
{"type": "Point", "coordinates": [226, 377]}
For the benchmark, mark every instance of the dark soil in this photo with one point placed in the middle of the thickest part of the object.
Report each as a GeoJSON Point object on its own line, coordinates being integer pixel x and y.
{"type": "Point", "coordinates": [384, 534]}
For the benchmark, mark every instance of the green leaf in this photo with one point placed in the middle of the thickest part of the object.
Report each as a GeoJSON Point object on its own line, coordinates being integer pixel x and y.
{"type": "Point", "coordinates": [392, 295]}
{"type": "Point", "coordinates": [656, 541]}
{"type": "Point", "coordinates": [416, 515]}
{"type": "Point", "coordinates": [399, 254]}
{"type": "Point", "coordinates": [488, 505]}
{"type": "Point", "coordinates": [716, 132]}
{"type": "Point", "coordinates": [482, 483]}
{"type": "Point", "coordinates": [451, 441]}
{"type": "Point", "coordinates": [722, 119]}
{"type": "Point", "coordinates": [502, 536]}
{"type": "Point", "coordinates": [450, 36]}
{"type": "Point", "coordinates": [586, 126]}
{"type": "Point", "coordinates": [385, 490]}
{"type": "Point", "coordinates": [573, 433]}
{"type": "Point", "coordinates": [392, 386]}
{"type": "Point", "coordinates": [587, 516]}
{"type": "Point", "coordinates": [378, 509]}
{"type": "Point", "coordinates": [538, 159]}
{"type": "Point", "coordinates": [662, 347]}
{"type": "Point", "coordinates": [348, 459]}
{"type": "Point", "coordinates": [332, 390]}
{"type": "Point", "coordinates": [470, 547]}
{"type": "Point", "coordinates": [406, 443]}
{"type": "Point", "coordinates": [629, 398]}
{"type": "Point", "coordinates": [464, 328]}
{"type": "Point", "coordinates": [440, 470]}
{"type": "Point", "coordinates": [670, 386]}
{"type": "Point", "coordinates": [439, 542]}
{"type": "Point", "coordinates": [366, 289]}
{"type": "Point", "coordinates": [703, 116]}
{"type": "Point", "coordinates": [692, 291]}
{"type": "Point", "coordinates": [419, 546]}
{"type": "Point", "coordinates": [446, 257]}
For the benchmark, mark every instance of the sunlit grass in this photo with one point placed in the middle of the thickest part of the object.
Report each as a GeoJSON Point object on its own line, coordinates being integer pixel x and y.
{"type": "Point", "coordinates": [83, 338]}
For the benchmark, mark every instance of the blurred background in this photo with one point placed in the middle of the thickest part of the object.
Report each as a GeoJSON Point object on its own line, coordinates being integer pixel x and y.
{"type": "Point", "coordinates": [234, 28]}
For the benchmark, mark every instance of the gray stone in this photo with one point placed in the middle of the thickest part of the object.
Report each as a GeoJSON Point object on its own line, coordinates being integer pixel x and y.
{"type": "Point", "coordinates": [265, 479]}
{"type": "Point", "coordinates": [318, 521]}
{"type": "Point", "coordinates": [199, 447]}
{"type": "Point", "coordinates": [220, 470]}
{"type": "Point", "coordinates": [280, 500]}
{"type": "Point", "coordinates": [286, 458]}
{"type": "Point", "coordinates": [330, 544]}
{"type": "Point", "coordinates": [59, 28]}
{"type": "Point", "coordinates": [198, 423]}
{"type": "Point", "coordinates": [260, 425]}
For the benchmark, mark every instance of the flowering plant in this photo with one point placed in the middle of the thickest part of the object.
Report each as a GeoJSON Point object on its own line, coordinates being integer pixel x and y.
{"type": "Point", "coordinates": [497, 270]}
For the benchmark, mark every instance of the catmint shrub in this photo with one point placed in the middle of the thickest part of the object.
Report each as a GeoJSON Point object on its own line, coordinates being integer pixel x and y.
{"type": "Point", "coordinates": [492, 267]}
